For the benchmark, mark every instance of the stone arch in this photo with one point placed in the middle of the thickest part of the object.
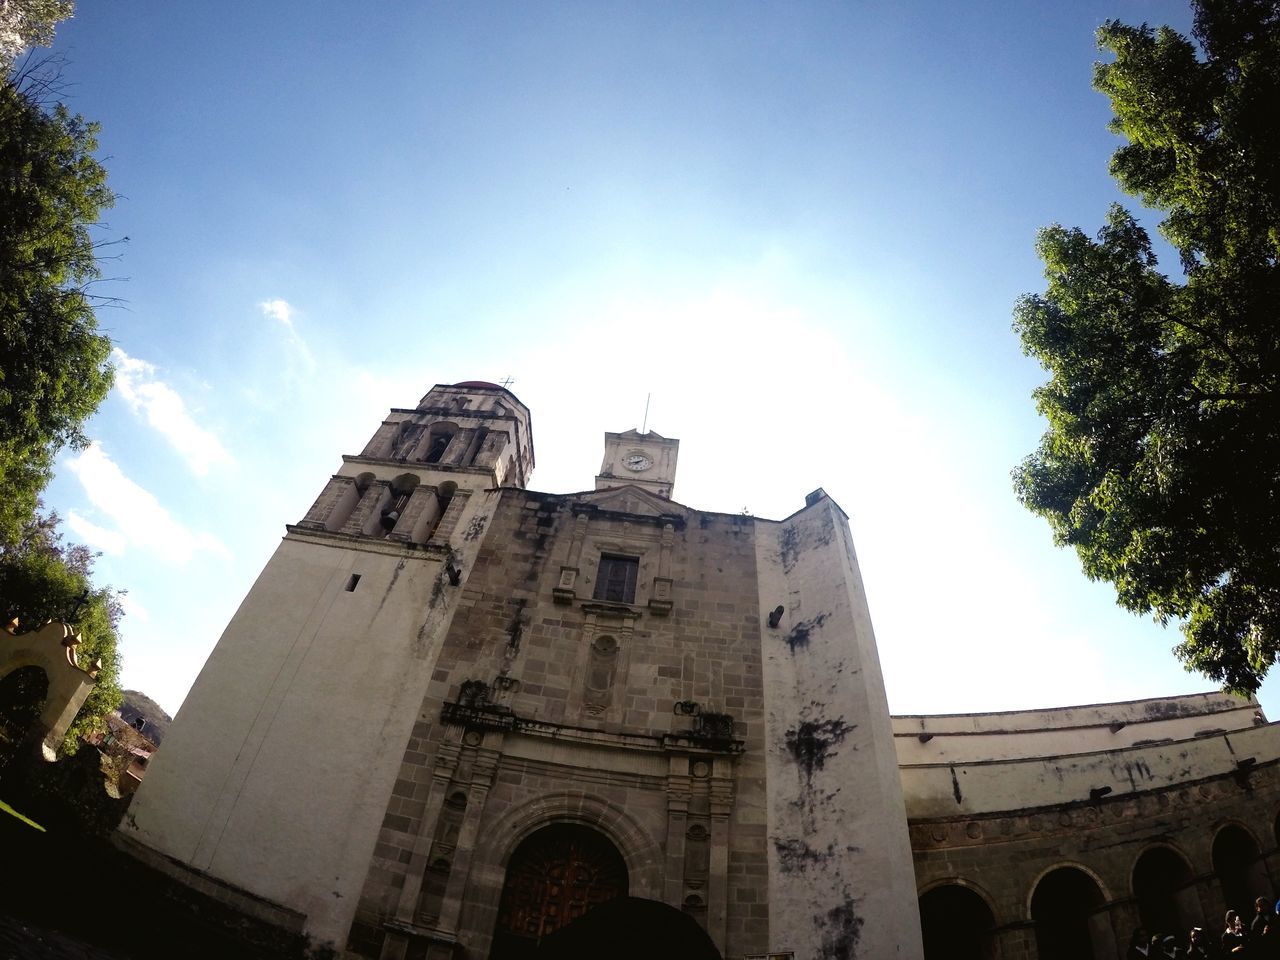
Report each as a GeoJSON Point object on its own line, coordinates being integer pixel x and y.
{"type": "Point", "coordinates": [498, 841]}
{"type": "Point", "coordinates": [555, 876]}
{"type": "Point", "coordinates": [1237, 863]}
{"type": "Point", "coordinates": [957, 921]}
{"type": "Point", "coordinates": [640, 852]}
{"type": "Point", "coordinates": [52, 649]}
{"type": "Point", "coordinates": [1065, 905]}
{"type": "Point", "coordinates": [1163, 884]}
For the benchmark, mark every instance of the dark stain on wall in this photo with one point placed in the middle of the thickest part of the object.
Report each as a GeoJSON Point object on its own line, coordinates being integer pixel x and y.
{"type": "Point", "coordinates": [798, 637]}
{"type": "Point", "coordinates": [810, 743]}
{"type": "Point", "coordinates": [841, 930]}
{"type": "Point", "coordinates": [955, 786]}
{"type": "Point", "coordinates": [475, 528]}
{"type": "Point", "coordinates": [789, 547]}
{"type": "Point", "coordinates": [795, 856]}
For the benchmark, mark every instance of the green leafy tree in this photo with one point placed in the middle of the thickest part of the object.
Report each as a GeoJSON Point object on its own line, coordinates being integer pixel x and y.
{"type": "Point", "coordinates": [53, 360]}
{"type": "Point", "coordinates": [29, 23]}
{"type": "Point", "coordinates": [1161, 464]}
{"type": "Point", "coordinates": [42, 578]}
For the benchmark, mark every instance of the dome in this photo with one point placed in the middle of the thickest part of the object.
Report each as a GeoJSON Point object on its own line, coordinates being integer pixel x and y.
{"type": "Point", "coordinates": [479, 383]}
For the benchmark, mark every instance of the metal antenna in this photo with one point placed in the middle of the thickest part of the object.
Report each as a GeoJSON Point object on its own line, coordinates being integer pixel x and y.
{"type": "Point", "coordinates": [506, 382]}
{"type": "Point", "coordinates": [644, 428]}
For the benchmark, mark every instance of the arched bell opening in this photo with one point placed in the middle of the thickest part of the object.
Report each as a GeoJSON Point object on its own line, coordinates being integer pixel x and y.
{"type": "Point", "coordinates": [555, 876]}
{"type": "Point", "coordinates": [1065, 908]}
{"type": "Point", "coordinates": [956, 923]}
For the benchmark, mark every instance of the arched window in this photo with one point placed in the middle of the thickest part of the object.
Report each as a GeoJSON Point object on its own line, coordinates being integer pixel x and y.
{"type": "Point", "coordinates": [1064, 907]}
{"type": "Point", "coordinates": [1167, 903]}
{"type": "Point", "coordinates": [554, 877]}
{"type": "Point", "coordinates": [1239, 868]}
{"type": "Point", "coordinates": [22, 696]}
{"type": "Point", "coordinates": [956, 923]}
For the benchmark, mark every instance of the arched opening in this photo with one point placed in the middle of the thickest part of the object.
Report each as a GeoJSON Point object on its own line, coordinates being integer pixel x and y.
{"type": "Point", "coordinates": [555, 876]}
{"type": "Point", "coordinates": [22, 696]}
{"type": "Point", "coordinates": [956, 923]}
{"type": "Point", "coordinates": [1063, 905]}
{"type": "Point", "coordinates": [402, 488]}
{"type": "Point", "coordinates": [1239, 867]}
{"type": "Point", "coordinates": [1162, 886]}
{"type": "Point", "coordinates": [439, 436]}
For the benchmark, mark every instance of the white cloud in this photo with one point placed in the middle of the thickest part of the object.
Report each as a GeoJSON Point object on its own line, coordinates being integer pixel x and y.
{"type": "Point", "coordinates": [282, 311]}
{"type": "Point", "coordinates": [166, 412]}
{"type": "Point", "coordinates": [143, 522]}
{"type": "Point", "coordinates": [99, 538]}
{"type": "Point", "coordinates": [132, 608]}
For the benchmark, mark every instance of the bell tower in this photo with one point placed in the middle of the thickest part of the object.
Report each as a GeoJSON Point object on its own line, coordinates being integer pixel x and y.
{"type": "Point", "coordinates": [646, 460]}
{"type": "Point", "coordinates": [463, 437]}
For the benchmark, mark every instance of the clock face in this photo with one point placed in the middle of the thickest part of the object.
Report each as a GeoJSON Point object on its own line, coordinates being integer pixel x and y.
{"type": "Point", "coordinates": [636, 462]}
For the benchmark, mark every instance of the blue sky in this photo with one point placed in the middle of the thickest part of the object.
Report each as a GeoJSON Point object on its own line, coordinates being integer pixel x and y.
{"type": "Point", "coordinates": [801, 227]}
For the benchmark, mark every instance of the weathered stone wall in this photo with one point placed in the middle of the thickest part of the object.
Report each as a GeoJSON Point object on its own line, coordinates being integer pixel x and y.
{"type": "Point", "coordinates": [610, 752]}
{"type": "Point", "coordinates": [1003, 856]}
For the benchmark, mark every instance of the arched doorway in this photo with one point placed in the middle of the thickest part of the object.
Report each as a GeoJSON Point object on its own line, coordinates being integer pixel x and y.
{"type": "Point", "coordinates": [23, 693]}
{"type": "Point", "coordinates": [554, 877]}
{"type": "Point", "coordinates": [1062, 906]}
{"type": "Point", "coordinates": [956, 923]}
{"type": "Point", "coordinates": [1161, 884]}
{"type": "Point", "coordinates": [1239, 867]}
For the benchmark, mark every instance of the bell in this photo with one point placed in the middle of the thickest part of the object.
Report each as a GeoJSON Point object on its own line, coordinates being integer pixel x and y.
{"type": "Point", "coordinates": [390, 518]}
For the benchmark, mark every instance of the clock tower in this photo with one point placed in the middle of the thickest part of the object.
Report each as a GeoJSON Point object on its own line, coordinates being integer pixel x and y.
{"type": "Point", "coordinates": [645, 460]}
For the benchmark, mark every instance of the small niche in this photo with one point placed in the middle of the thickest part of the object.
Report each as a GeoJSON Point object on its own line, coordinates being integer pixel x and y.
{"type": "Point", "coordinates": [352, 581]}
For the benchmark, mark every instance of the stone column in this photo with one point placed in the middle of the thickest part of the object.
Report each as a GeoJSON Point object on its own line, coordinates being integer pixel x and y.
{"type": "Point", "coordinates": [380, 445]}
{"type": "Point", "coordinates": [449, 522]}
{"type": "Point", "coordinates": [366, 512]}
{"type": "Point", "coordinates": [458, 446]}
{"type": "Point", "coordinates": [718, 879]}
{"type": "Point", "coordinates": [419, 510]}
{"type": "Point", "coordinates": [336, 499]}
{"type": "Point", "coordinates": [678, 796]}
{"type": "Point", "coordinates": [483, 772]}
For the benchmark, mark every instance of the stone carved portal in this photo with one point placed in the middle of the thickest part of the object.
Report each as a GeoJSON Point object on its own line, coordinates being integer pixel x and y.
{"type": "Point", "coordinates": [554, 877]}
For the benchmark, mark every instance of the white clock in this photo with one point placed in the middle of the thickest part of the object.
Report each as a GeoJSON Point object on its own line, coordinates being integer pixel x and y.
{"type": "Point", "coordinates": [636, 462]}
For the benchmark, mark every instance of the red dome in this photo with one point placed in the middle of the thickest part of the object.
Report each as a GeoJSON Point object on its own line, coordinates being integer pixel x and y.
{"type": "Point", "coordinates": [479, 383]}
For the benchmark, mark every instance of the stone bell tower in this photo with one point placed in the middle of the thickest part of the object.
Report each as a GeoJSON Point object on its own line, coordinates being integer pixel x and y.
{"type": "Point", "coordinates": [274, 776]}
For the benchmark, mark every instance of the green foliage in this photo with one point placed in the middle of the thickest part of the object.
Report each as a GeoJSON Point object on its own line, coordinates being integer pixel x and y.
{"type": "Point", "coordinates": [1161, 465]}
{"type": "Point", "coordinates": [42, 579]}
{"type": "Point", "coordinates": [29, 23]}
{"type": "Point", "coordinates": [53, 361]}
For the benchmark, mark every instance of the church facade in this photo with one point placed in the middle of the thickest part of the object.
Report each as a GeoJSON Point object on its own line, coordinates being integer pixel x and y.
{"type": "Point", "coordinates": [454, 715]}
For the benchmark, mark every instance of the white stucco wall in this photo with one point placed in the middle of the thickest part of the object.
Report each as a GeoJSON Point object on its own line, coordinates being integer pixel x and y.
{"type": "Point", "coordinates": [1071, 730]}
{"type": "Point", "coordinates": [957, 789]}
{"type": "Point", "coordinates": [275, 774]}
{"type": "Point", "coordinates": [841, 879]}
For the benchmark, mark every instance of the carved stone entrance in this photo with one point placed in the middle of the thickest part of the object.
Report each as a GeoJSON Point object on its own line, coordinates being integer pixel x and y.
{"type": "Point", "coordinates": [554, 877]}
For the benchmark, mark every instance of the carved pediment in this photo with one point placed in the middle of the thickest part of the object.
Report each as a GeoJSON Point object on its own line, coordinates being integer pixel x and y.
{"type": "Point", "coordinates": [634, 500]}
{"type": "Point", "coordinates": [639, 437]}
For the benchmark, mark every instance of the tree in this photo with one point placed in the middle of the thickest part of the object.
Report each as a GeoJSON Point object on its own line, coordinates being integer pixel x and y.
{"type": "Point", "coordinates": [28, 23]}
{"type": "Point", "coordinates": [42, 578]}
{"type": "Point", "coordinates": [1161, 464]}
{"type": "Point", "coordinates": [53, 360]}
